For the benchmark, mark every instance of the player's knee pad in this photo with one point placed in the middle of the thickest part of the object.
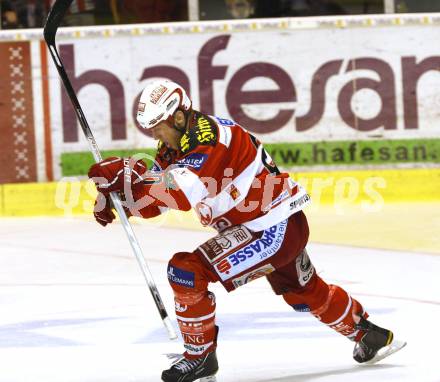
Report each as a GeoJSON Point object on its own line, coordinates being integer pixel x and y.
{"type": "Point", "coordinates": [185, 275]}
{"type": "Point", "coordinates": [294, 276]}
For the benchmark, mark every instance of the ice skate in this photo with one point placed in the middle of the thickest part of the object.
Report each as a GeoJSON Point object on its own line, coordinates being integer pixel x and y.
{"type": "Point", "coordinates": [202, 369]}
{"type": "Point", "coordinates": [376, 344]}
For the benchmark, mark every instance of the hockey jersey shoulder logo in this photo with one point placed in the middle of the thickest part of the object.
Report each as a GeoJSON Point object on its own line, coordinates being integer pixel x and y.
{"type": "Point", "coordinates": [203, 132]}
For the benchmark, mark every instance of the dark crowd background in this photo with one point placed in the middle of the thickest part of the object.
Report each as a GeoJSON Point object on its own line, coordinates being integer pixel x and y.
{"type": "Point", "coordinates": [16, 14]}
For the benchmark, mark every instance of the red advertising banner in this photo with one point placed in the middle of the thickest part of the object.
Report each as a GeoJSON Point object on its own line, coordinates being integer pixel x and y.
{"type": "Point", "coordinates": [17, 136]}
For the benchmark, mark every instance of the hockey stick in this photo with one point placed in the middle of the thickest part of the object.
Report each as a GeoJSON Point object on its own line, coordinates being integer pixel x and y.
{"type": "Point", "coordinates": [53, 21]}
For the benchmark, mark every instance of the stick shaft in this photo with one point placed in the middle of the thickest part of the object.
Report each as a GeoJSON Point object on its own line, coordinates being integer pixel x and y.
{"type": "Point", "coordinates": [53, 21]}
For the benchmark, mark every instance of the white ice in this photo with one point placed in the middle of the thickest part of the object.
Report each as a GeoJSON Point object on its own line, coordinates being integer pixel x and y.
{"type": "Point", "coordinates": [74, 308]}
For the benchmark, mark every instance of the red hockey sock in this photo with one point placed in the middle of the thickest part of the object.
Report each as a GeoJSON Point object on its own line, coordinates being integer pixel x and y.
{"type": "Point", "coordinates": [330, 304]}
{"type": "Point", "coordinates": [340, 312]}
{"type": "Point", "coordinates": [197, 325]}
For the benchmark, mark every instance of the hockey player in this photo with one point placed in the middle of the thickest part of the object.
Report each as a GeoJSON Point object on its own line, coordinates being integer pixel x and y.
{"type": "Point", "coordinates": [216, 167]}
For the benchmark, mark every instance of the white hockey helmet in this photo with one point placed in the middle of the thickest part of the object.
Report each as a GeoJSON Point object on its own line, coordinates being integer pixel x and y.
{"type": "Point", "coordinates": [159, 100]}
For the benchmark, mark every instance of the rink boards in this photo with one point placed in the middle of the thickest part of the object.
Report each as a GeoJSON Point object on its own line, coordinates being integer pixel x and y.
{"type": "Point", "coordinates": [368, 190]}
{"type": "Point", "coordinates": [391, 209]}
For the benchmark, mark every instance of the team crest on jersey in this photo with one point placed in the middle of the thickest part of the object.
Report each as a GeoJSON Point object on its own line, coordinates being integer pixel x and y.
{"type": "Point", "coordinates": [205, 213]}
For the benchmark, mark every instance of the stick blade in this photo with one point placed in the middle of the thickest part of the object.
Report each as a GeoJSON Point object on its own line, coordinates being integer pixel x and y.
{"type": "Point", "coordinates": [54, 18]}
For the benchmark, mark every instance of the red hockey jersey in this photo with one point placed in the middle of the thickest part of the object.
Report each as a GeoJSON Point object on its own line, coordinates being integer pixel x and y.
{"type": "Point", "coordinates": [225, 174]}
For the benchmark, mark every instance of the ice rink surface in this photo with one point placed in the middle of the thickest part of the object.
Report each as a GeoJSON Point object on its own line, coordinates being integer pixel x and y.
{"type": "Point", "coordinates": [75, 307]}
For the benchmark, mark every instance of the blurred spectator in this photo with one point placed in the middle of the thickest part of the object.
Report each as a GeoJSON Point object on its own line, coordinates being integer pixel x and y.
{"type": "Point", "coordinates": [9, 16]}
{"type": "Point", "coordinates": [403, 6]}
{"type": "Point", "coordinates": [275, 8]}
{"type": "Point", "coordinates": [149, 11]}
{"type": "Point", "coordinates": [105, 12]}
{"type": "Point", "coordinates": [32, 13]}
{"type": "Point", "coordinates": [22, 14]}
{"type": "Point", "coordinates": [291, 8]}
{"type": "Point", "coordinates": [241, 9]}
{"type": "Point", "coordinates": [80, 13]}
{"type": "Point", "coordinates": [88, 12]}
{"type": "Point", "coordinates": [326, 7]}
{"type": "Point", "coordinates": [221, 9]}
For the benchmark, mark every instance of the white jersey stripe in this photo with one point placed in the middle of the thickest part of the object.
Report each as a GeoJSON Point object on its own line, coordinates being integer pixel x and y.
{"type": "Point", "coordinates": [277, 214]}
{"type": "Point", "coordinates": [344, 314]}
{"type": "Point", "coordinates": [195, 319]}
{"type": "Point", "coordinates": [225, 135]}
{"type": "Point", "coordinates": [224, 202]}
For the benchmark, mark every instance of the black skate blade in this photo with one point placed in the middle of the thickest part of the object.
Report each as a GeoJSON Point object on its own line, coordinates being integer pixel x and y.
{"type": "Point", "coordinates": [386, 351]}
{"type": "Point", "coordinates": [211, 378]}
